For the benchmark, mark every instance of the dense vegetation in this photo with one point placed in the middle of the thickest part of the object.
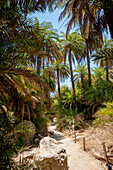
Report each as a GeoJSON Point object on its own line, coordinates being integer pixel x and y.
{"type": "Point", "coordinates": [34, 59]}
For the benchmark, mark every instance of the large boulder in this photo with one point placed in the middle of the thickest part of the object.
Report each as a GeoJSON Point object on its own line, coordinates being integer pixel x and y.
{"type": "Point", "coordinates": [49, 156]}
{"type": "Point", "coordinates": [52, 155]}
{"type": "Point", "coordinates": [26, 131]}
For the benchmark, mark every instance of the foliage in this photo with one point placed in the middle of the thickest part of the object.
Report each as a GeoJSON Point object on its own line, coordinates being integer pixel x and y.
{"type": "Point", "coordinates": [101, 91]}
{"type": "Point", "coordinates": [90, 15]}
{"type": "Point", "coordinates": [99, 74]}
{"type": "Point", "coordinates": [47, 46]}
{"type": "Point", "coordinates": [62, 72]}
{"type": "Point", "coordinates": [17, 90]}
{"type": "Point", "coordinates": [10, 142]}
{"type": "Point", "coordinates": [41, 120]}
{"type": "Point", "coordinates": [106, 51]}
{"type": "Point", "coordinates": [66, 100]}
{"type": "Point", "coordinates": [103, 55]}
{"type": "Point", "coordinates": [31, 60]}
{"type": "Point", "coordinates": [80, 72]}
{"type": "Point", "coordinates": [66, 108]}
{"type": "Point", "coordinates": [73, 47]}
{"type": "Point", "coordinates": [64, 122]}
{"type": "Point", "coordinates": [87, 102]}
{"type": "Point", "coordinates": [104, 115]}
{"type": "Point", "coordinates": [22, 91]}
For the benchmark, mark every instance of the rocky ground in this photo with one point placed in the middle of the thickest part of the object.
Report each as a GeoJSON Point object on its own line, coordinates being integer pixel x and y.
{"type": "Point", "coordinates": [78, 159]}
{"type": "Point", "coordinates": [54, 152]}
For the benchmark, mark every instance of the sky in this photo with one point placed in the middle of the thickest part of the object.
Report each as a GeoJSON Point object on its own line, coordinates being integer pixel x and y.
{"type": "Point", "coordinates": [60, 26]}
{"type": "Point", "coordinates": [51, 17]}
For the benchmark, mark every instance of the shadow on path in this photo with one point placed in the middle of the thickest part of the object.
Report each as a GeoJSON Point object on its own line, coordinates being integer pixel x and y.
{"type": "Point", "coordinates": [57, 135]}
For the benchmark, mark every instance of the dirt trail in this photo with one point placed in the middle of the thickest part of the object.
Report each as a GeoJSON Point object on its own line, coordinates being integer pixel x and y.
{"type": "Point", "coordinates": [77, 158]}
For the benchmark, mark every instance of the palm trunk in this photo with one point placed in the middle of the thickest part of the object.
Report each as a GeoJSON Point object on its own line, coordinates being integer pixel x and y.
{"type": "Point", "coordinates": [88, 63]}
{"type": "Point", "coordinates": [43, 63]}
{"type": "Point", "coordinates": [48, 62]}
{"type": "Point", "coordinates": [82, 82]}
{"type": "Point", "coordinates": [38, 64]}
{"type": "Point", "coordinates": [108, 11]}
{"type": "Point", "coordinates": [58, 83]}
{"type": "Point", "coordinates": [107, 76]}
{"type": "Point", "coordinates": [73, 86]}
{"type": "Point", "coordinates": [48, 100]}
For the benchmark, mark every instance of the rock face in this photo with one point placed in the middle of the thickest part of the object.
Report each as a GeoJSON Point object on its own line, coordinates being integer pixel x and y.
{"type": "Point", "coordinates": [49, 156]}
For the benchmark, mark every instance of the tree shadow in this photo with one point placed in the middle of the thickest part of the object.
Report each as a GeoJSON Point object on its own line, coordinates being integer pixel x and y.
{"type": "Point", "coordinates": [57, 136]}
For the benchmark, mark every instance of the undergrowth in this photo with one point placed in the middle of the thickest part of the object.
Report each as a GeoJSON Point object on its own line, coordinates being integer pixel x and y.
{"type": "Point", "coordinates": [104, 115]}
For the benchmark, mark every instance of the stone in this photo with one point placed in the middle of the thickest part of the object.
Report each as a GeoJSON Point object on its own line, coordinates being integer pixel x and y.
{"type": "Point", "coordinates": [52, 154]}
{"type": "Point", "coordinates": [27, 131]}
{"type": "Point", "coordinates": [49, 156]}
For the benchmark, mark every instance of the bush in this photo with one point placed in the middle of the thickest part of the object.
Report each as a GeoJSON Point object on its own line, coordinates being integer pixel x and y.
{"type": "Point", "coordinates": [7, 141]}
{"type": "Point", "coordinates": [64, 122]}
{"type": "Point", "coordinates": [104, 115]}
{"type": "Point", "coordinates": [101, 91]}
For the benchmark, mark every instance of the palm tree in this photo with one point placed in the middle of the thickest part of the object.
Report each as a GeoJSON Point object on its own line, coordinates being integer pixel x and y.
{"type": "Point", "coordinates": [49, 77]}
{"type": "Point", "coordinates": [20, 42]}
{"type": "Point", "coordinates": [48, 48]}
{"type": "Point", "coordinates": [91, 42]}
{"type": "Point", "coordinates": [57, 71]}
{"type": "Point", "coordinates": [62, 73]}
{"type": "Point", "coordinates": [102, 55]}
{"type": "Point", "coordinates": [18, 90]}
{"type": "Point", "coordinates": [95, 14]}
{"type": "Point", "coordinates": [22, 7]}
{"type": "Point", "coordinates": [73, 47]}
{"type": "Point", "coordinates": [79, 12]}
{"type": "Point", "coordinates": [99, 73]}
{"type": "Point", "coordinates": [80, 72]}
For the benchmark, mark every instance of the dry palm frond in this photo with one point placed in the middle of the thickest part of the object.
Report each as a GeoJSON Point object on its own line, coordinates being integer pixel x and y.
{"type": "Point", "coordinates": [90, 15]}
{"type": "Point", "coordinates": [15, 95]}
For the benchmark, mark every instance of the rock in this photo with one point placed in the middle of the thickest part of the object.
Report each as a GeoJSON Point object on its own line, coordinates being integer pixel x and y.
{"type": "Point", "coordinates": [49, 156]}
{"type": "Point", "coordinates": [27, 131]}
{"type": "Point", "coordinates": [52, 154]}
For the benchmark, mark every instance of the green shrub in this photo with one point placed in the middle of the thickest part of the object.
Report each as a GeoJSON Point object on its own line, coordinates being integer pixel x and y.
{"type": "Point", "coordinates": [104, 115]}
{"type": "Point", "coordinates": [64, 122]}
{"type": "Point", "coordinates": [101, 91]}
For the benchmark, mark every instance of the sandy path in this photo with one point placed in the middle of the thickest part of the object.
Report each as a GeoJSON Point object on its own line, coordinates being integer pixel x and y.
{"type": "Point", "coordinates": [77, 158]}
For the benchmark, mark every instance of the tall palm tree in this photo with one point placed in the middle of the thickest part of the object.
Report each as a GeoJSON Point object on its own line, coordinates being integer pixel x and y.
{"type": "Point", "coordinates": [92, 41]}
{"type": "Point", "coordinates": [73, 48]}
{"type": "Point", "coordinates": [80, 12]}
{"type": "Point", "coordinates": [19, 42]}
{"type": "Point", "coordinates": [102, 55]}
{"type": "Point", "coordinates": [80, 72]}
{"type": "Point", "coordinates": [49, 77]}
{"type": "Point", "coordinates": [62, 72]}
{"type": "Point", "coordinates": [58, 71]}
{"type": "Point", "coordinates": [48, 47]}
{"type": "Point", "coordinates": [96, 14]}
